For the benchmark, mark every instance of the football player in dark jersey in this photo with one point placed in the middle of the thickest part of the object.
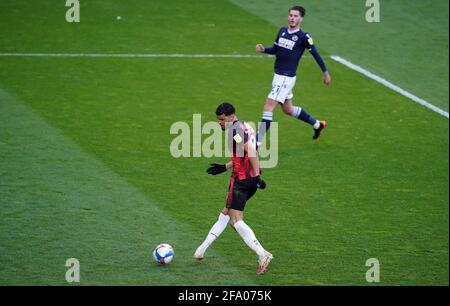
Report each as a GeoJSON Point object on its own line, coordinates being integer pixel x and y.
{"type": "Point", "coordinates": [288, 49]}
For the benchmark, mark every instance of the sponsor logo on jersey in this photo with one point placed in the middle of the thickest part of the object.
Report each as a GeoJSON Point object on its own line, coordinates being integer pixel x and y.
{"type": "Point", "coordinates": [310, 40]}
{"type": "Point", "coordinates": [286, 43]}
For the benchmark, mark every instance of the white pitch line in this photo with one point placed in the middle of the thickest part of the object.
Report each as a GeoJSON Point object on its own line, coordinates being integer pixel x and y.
{"type": "Point", "coordinates": [390, 85]}
{"type": "Point", "coordinates": [334, 57]}
{"type": "Point", "coordinates": [126, 55]}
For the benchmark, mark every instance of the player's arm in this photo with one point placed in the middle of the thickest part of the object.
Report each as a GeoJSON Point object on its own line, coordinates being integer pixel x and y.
{"type": "Point", "coordinates": [252, 158]}
{"type": "Point", "coordinates": [229, 165]}
{"type": "Point", "coordinates": [320, 62]}
{"type": "Point", "coordinates": [312, 49]}
{"type": "Point", "coordinates": [271, 50]}
{"type": "Point", "coordinates": [215, 169]}
{"type": "Point", "coordinates": [250, 149]}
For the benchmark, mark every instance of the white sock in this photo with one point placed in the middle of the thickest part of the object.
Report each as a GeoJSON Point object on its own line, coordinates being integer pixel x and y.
{"type": "Point", "coordinates": [264, 126]}
{"type": "Point", "coordinates": [296, 112]}
{"type": "Point", "coordinates": [267, 116]}
{"type": "Point", "coordinates": [214, 232]}
{"type": "Point", "coordinates": [249, 237]}
{"type": "Point", "coordinates": [316, 125]}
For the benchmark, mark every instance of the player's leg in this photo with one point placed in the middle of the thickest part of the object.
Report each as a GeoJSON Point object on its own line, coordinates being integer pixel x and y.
{"type": "Point", "coordinates": [213, 233]}
{"type": "Point", "coordinates": [266, 120]}
{"type": "Point", "coordinates": [288, 108]}
{"type": "Point", "coordinates": [220, 224]}
{"type": "Point", "coordinates": [246, 233]}
{"type": "Point", "coordinates": [301, 114]}
{"type": "Point", "coordinates": [281, 86]}
{"type": "Point", "coordinates": [236, 212]}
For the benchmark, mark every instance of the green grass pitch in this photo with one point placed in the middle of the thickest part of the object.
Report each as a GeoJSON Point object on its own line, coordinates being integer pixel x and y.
{"type": "Point", "coordinates": [86, 171]}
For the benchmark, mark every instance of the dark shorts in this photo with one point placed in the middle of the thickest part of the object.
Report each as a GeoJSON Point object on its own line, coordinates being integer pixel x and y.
{"type": "Point", "coordinates": [239, 192]}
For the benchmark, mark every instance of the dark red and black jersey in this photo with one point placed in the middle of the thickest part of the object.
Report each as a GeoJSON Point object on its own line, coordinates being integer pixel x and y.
{"type": "Point", "coordinates": [241, 133]}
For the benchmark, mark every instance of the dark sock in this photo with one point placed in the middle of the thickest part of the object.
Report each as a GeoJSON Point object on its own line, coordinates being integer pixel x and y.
{"type": "Point", "coordinates": [304, 116]}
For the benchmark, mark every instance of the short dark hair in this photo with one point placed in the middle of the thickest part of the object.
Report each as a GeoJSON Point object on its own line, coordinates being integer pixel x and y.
{"type": "Point", "coordinates": [301, 9]}
{"type": "Point", "coordinates": [226, 109]}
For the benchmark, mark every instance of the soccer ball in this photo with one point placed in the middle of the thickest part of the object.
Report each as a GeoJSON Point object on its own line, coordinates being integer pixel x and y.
{"type": "Point", "coordinates": [163, 253]}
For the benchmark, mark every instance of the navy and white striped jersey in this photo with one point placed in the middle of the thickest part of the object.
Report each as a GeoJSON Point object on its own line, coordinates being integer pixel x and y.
{"type": "Point", "coordinates": [288, 49]}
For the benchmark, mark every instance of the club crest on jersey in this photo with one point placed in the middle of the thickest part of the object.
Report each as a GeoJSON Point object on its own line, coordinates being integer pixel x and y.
{"type": "Point", "coordinates": [237, 138]}
{"type": "Point", "coordinates": [295, 38]}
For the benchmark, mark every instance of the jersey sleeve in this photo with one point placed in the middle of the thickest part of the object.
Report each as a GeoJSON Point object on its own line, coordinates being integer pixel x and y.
{"type": "Point", "coordinates": [251, 139]}
{"type": "Point", "coordinates": [237, 138]}
{"type": "Point", "coordinates": [309, 44]}
{"type": "Point", "coordinates": [239, 135]}
{"type": "Point", "coordinates": [308, 41]}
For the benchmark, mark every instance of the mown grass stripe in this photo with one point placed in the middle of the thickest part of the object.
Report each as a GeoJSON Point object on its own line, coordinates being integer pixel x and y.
{"type": "Point", "coordinates": [57, 201]}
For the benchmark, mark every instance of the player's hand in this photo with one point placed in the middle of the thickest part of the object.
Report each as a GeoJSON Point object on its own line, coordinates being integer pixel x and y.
{"type": "Point", "coordinates": [259, 182]}
{"type": "Point", "coordinates": [216, 169]}
{"type": "Point", "coordinates": [326, 78]}
{"type": "Point", "coordinates": [259, 48]}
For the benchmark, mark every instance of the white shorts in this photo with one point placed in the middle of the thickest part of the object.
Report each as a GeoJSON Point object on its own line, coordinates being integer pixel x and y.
{"type": "Point", "coordinates": [282, 88]}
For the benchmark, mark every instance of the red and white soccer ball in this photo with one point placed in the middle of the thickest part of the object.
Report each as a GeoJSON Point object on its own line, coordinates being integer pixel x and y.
{"type": "Point", "coordinates": [163, 253]}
